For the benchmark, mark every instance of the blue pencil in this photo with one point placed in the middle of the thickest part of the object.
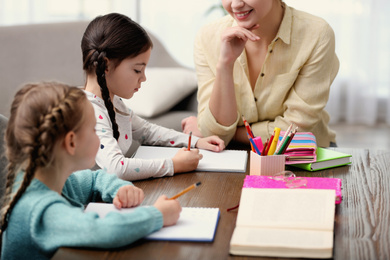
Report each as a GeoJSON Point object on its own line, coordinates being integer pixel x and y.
{"type": "Point", "coordinates": [254, 146]}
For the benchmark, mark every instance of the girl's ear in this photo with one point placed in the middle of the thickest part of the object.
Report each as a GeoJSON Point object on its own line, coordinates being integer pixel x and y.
{"type": "Point", "coordinates": [108, 65]}
{"type": "Point", "coordinates": [70, 142]}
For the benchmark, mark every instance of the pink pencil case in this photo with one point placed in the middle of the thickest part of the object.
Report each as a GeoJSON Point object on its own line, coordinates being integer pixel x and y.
{"type": "Point", "coordinates": [277, 182]}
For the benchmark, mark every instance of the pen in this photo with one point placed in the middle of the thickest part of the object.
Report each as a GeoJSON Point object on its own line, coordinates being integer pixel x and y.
{"type": "Point", "coordinates": [186, 190]}
{"type": "Point", "coordinates": [189, 141]}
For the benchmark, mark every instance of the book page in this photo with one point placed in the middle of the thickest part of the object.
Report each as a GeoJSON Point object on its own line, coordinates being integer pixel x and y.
{"type": "Point", "coordinates": [194, 224]}
{"type": "Point", "coordinates": [224, 161]}
{"type": "Point", "coordinates": [287, 208]}
{"type": "Point", "coordinates": [268, 237]}
{"type": "Point", "coordinates": [281, 242]}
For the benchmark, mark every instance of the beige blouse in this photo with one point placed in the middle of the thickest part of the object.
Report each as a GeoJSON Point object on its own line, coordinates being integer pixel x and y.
{"type": "Point", "coordinates": [293, 85]}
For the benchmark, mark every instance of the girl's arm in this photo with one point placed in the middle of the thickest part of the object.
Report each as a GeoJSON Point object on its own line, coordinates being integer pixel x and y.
{"type": "Point", "coordinates": [57, 224]}
{"type": "Point", "coordinates": [86, 186]}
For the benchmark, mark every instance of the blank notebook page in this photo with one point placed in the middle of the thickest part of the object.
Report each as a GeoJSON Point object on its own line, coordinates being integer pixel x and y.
{"type": "Point", "coordinates": [194, 224]}
{"type": "Point", "coordinates": [224, 161]}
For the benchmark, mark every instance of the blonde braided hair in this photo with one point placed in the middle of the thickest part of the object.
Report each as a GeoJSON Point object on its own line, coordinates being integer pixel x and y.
{"type": "Point", "coordinates": [41, 115]}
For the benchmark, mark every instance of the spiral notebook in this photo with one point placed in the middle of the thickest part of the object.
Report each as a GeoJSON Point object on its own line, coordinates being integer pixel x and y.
{"type": "Point", "coordinates": [195, 224]}
{"type": "Point", "coordinates": [224, 161]}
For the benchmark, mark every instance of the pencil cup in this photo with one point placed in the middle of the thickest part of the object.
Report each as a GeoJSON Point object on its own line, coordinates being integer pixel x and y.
{"type": "Point", "coordinates": [266, 165]}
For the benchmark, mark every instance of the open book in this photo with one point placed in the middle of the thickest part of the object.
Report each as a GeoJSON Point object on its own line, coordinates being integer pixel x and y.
{"type": "Point", "coordinates": [284, 223]}
{"type": "Point", "coordinates": [194, 224]}
{"type": "Point", "coordinates": [224, 161]}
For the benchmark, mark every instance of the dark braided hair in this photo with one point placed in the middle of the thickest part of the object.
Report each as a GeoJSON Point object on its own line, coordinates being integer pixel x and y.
{"type": "Point", "coordinates": [115, 37]}
{"type": "Point", "coordinates": [41, 115]}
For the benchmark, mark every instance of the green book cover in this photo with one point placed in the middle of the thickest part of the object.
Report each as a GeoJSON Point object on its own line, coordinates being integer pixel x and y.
{"type": "Point", "coordinates": [326, 158]}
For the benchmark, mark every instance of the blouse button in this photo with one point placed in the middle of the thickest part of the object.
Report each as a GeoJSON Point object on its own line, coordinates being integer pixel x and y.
{"type": "Point", "coordinates": [262, 74]}
{"type": "Point", "coordinates": [255, 99]}
{"type": "Point", "coordinates": [270, 51]}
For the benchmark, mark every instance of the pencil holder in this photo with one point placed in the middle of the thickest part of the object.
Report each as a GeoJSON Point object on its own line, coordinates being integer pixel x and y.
{"type": "Point", "coordinates": [266, 165]}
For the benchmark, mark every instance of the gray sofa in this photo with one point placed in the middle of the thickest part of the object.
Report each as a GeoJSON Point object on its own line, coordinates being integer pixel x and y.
{"type": "Point", "coordinates": [51, 52]}
{"type": "Point", "coordinates": [37, 52]}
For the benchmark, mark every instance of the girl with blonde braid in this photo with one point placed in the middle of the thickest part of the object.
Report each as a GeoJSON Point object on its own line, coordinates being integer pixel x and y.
{"type": "Point", "coordinates": [50, 139]}
{"type": "Point", "coordinates": [116, 51]}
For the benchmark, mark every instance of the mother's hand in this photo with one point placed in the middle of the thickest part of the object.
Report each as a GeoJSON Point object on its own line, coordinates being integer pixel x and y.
{"type": "Point", "coordinates": [190, 124]}
{"type": "Point", "coordinates": [233, 41]}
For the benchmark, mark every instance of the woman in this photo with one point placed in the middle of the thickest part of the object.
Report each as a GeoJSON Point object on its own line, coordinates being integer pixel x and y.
{"type": "Point", "coordinates": [267, 62]}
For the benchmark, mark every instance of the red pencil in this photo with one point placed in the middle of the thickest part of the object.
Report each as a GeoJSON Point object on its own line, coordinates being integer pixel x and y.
{"type": "Point", "coordinates": [248, 128]}
{"type": "Point", "coordinates": [269, 144]}
{"type": "Point", "coordinates": [265, 148]}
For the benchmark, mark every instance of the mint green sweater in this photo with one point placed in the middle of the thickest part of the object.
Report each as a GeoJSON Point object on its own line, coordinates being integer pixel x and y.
{"type": "Point", "coordinates": [42, 220]}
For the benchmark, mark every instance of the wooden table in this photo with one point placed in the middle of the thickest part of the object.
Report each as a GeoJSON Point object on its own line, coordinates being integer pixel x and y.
{"type": "Point", "coordinates": [362, 220]}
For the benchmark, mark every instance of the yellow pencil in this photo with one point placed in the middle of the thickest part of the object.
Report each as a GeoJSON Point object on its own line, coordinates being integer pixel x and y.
{"type": "Point", "coordinates": [272, 148]}
{"type": "Point", "coordinates": [186, 190]}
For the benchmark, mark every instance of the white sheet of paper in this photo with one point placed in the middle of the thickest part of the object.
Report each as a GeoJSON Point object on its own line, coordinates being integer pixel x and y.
{"type": "Point", "coordinates": [224, 161]}
{"type": "Point", "coordinates": [194, 224]}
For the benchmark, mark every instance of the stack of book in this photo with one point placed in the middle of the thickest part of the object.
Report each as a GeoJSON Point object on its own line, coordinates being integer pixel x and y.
{"type": "Point", "coordinates": [301, 149]}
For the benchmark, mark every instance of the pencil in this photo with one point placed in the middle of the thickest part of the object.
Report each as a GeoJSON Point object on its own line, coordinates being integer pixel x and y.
{"type": "Point", "coordinates": [256, 150]}
{"type": "Point", "coordinates": [278, 148]}
{"type": "Point", "coordinates": [269, 144]}
{"type": "Point", "coordinates": [274, 142]}
{"type": "Point", "coordinates": [186, 190]}
{"type": "Point", "coordinates": [189, 141]}
{"type": "Point", "coordinates": [291, 136]}
{"type": "Point", "coordinates": [248, 128]}
{"type": "Point", "coordinates": [263, 152]}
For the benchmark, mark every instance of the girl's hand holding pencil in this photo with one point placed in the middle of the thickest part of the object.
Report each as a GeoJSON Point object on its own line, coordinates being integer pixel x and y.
{"type": "Point", "coordinates": [170, 209]}
{"type": "Point", "coordinates": [186, 161]}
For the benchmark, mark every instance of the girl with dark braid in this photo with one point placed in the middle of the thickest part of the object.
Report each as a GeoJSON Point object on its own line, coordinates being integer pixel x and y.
{"type": "Point", "coordinates": [116, 51]}
{"type": "Point", "coordinates": [50, 139]}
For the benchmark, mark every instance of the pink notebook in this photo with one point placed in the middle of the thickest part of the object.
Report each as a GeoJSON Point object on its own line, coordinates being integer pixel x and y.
{"type": "Point", "coordinates": [277, 182]}
{"type": "Point", "coordinates": [302, 148]}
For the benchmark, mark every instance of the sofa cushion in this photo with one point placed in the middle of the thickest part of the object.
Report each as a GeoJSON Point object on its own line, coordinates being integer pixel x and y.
{"type": "Point", "coordinates": [164, 88]}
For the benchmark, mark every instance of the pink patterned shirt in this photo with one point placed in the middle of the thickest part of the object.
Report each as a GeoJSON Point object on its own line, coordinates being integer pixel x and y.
{"type": "Point", "coordinates": [115, 156]}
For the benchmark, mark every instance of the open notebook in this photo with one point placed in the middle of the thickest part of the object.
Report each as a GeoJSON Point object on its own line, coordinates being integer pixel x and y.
{"type": "Point", "coordinates": [194, 224]}
{"type": "Point", "coordinates": [224, 161]}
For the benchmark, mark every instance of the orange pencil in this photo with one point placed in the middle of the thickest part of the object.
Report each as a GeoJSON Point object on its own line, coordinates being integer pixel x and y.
{"type": "Point", "coordinates": [186, 190]}
{"type": "Point", "coordinates": [189, 141]}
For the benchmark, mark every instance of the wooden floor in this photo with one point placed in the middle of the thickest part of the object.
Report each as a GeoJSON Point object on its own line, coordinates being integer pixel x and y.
{"type": "Point", "coordinates": [361, 136]}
